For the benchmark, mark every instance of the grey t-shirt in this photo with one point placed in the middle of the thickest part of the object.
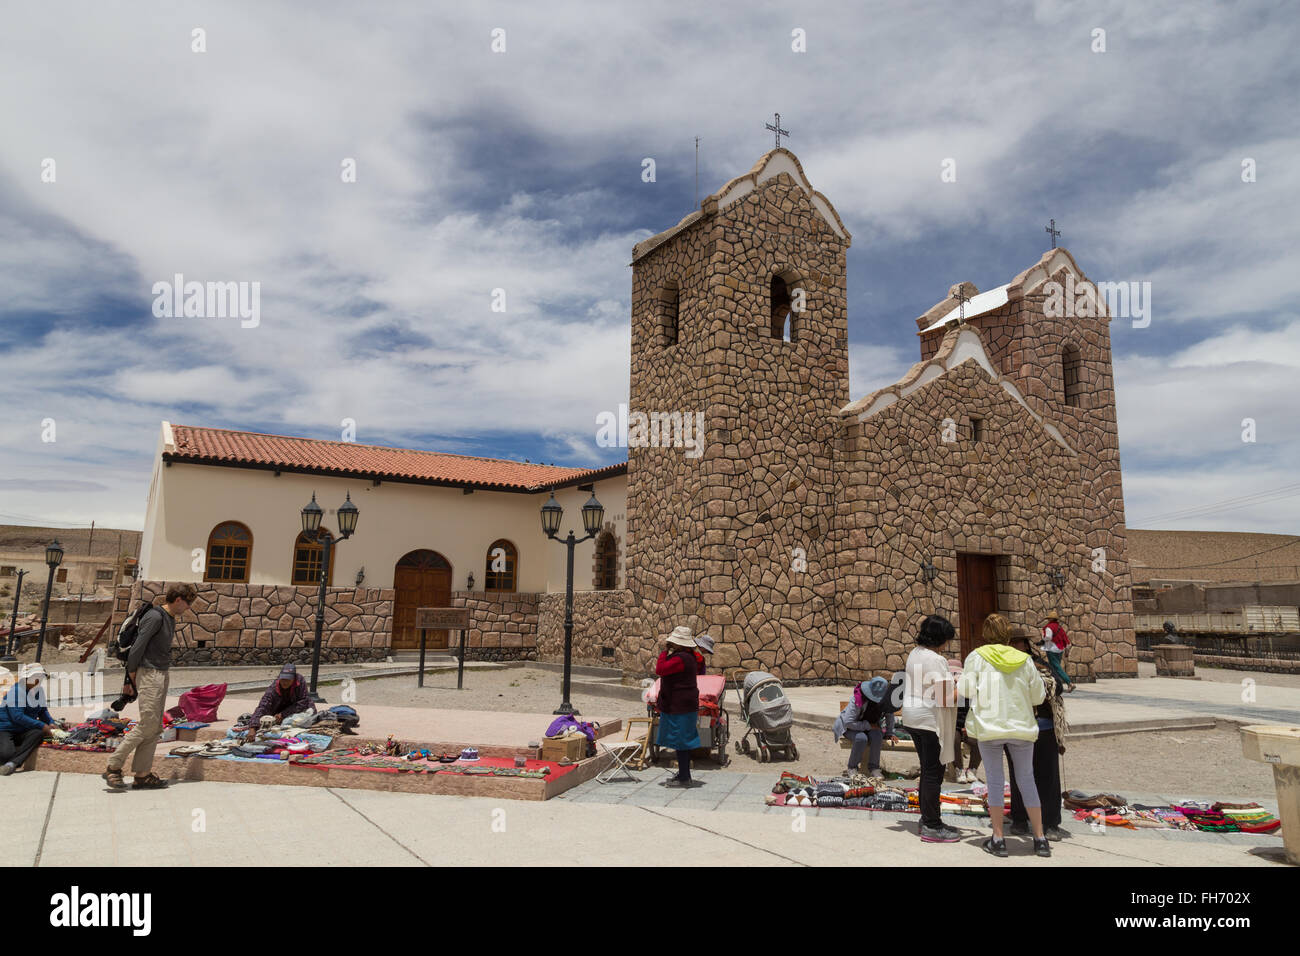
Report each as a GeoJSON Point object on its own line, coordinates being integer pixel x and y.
{"type": "Point", "coordinates": [153, 642]}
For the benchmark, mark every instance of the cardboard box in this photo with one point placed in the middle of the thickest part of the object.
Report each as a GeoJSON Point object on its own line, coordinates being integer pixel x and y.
{"type": "Point", "coordinates": [559, 748]}
{"type": "Point", "coordinates": [187, 733]}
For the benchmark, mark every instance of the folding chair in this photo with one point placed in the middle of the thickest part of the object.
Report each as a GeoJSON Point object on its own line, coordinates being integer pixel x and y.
{"type": "Point", "coordinates": [624, 753]}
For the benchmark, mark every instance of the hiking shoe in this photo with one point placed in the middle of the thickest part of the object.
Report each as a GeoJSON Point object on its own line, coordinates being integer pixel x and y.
{"type": "Point", "coordinates": [114, 779]}
{"type": "Point", "coordinates": [1054, 834]}
{"type": "Point", "coordinates": [939, 834]}
{"type": "Point", "coordinates": [996, 847]}
{"type": "Point", "coordinates": [1042, 848]}
{"type": "Point", "coordinates": [149, 781]}
{"type": "Point", "coordinates": [677, 783]}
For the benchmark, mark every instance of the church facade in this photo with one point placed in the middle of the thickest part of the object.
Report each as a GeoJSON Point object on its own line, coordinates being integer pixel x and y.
{"type": "Point", "coordinates": [814, 533]}
{"type": "Point", "coordinates": [808, 533]}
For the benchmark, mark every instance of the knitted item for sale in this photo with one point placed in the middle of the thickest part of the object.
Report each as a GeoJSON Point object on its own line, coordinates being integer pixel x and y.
{"type": "Point", "coordinates": [1173, 818]}
{"type": "Point", "coordinates": [830, 801]}
{"type": "Point", "coordinates": [1212, 821]}
{"type": "Point", "coordinates": [1250, 817]}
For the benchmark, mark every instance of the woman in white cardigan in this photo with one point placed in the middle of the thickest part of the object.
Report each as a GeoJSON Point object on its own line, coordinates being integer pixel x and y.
{"type": "Point", "coordinates": [1002, 687]}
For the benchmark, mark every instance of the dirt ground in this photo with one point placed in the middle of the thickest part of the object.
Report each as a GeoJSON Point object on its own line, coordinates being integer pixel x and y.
{"type": "Point", "coordinates": [1171, 763]}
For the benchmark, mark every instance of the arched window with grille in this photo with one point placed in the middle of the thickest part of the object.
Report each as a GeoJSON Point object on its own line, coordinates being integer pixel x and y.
{"type": "Point", "coordinates": [1070, 368]}
{"type": "Point", "coordinates": [606, 562]}
{"type": "Point", "coordinates": [502, 567]}
{"type": "Point", "coordinates": [307, 556]}
{"type": "Point", "coordinates": [230, 553]}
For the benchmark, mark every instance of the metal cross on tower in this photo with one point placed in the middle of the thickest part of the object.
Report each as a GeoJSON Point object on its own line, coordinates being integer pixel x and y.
{"type": "Point", "coordinates": [1053, 232]}
{"type": "Point", "coordinates": [962, 298]}
{"type": "Point", "coordinates": [777, 130]}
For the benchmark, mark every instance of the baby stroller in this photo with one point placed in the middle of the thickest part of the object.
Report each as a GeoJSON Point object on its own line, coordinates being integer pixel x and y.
{"type": "Point", "coordinates": [767, 714]}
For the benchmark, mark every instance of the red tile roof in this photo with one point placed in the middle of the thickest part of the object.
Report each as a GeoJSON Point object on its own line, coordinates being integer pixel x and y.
{"type": "Point", "coordinates": [217, 446]}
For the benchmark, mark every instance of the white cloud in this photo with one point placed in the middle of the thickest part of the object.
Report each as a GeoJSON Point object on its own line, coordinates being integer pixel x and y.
{"type": "Point", "coordinates": [225, 165]}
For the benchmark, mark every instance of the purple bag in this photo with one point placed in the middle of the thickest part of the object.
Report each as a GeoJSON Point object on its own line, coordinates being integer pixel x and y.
{"type": "Point", "coordinates": [567, 722]}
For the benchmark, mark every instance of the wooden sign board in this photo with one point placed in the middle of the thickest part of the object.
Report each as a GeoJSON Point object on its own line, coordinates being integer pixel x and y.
{"type": "Point", "coordinates": [440, 618]}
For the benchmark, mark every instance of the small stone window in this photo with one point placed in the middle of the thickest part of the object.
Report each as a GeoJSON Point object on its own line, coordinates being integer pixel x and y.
{"type": "Point", "coordinates": [1070, 362]}
{"type": "Point", "coordinates": [976, 428]}
{"type": "Point", "coordinates": [783, 318]}
{"type": "Point", "coordinates": [8, 571]}
{"type": "Point", "coordinates": [670, 301]}
{"type": "Point", "coordinates": [102, 576]}
{"type": "Point", "coordinates": [502, 561]}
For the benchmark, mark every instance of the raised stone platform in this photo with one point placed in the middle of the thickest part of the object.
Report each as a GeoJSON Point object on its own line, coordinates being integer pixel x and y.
{"type": "Point", "coordinates": [495, 734]}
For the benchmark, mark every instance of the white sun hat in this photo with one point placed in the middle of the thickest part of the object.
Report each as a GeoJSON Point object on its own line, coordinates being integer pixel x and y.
{"type": "Point", "coordinates": [682, 637]}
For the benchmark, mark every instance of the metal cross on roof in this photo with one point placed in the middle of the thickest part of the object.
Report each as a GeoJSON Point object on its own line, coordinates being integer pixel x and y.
{"type": "Point", "coordinates": [1053, 232]}
{"type": "Point", "coordinates": [777, 130]}
{"type": "Point", "coordinates": [962, 298]}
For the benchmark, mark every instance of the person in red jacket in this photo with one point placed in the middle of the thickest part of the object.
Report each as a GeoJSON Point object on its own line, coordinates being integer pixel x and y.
{"type": "Point", "coordinates": [679, 702]}
{"type": "Point", "coordinates": [1055, 641]}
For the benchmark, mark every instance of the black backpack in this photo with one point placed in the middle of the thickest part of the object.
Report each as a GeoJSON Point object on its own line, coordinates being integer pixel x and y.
{"type": "Point", "coordinates": [130, 629]}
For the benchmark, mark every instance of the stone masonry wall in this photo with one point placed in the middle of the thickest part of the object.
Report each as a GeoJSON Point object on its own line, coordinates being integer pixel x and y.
{"type": "Point", "coordinates": [1026, 345]}
{"type": "Point", "coordinates": [911, 496]}
{"type": "Point", "coordinates": [599, 622]}
{"type": "Point", "coordinates": [711, 539]}
{"type": "Point", "coordinates": [503, 625]}
{"type": "Point", "coordinates": [253, 623]}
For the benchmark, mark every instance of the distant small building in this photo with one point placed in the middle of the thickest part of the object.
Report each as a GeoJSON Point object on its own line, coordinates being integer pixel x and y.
{"type": "Point", "coordinates": [94, 564]}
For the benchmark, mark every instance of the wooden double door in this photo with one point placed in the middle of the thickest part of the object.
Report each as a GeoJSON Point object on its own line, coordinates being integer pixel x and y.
{"type": "Point", "coordinates": [420, 579]}
{"type": "Point", "coordinates": [977, 597]}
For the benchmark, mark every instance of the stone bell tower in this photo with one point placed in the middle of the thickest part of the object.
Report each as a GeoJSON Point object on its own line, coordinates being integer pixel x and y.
{"type": "Point", "coordinates": [739, 313]}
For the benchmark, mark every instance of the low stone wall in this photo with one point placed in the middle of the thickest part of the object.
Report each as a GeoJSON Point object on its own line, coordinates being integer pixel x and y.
{"type": "Point", "coordinates": [1269, 665]}
{"type": "Point", "coordinates": [503, 625]}
{"type": "Point", "coordinates": [598, 624]}
{"type": "Point", "coordinates": [256, 623]}
{"type": "Point", "coordinates": [193, 656]}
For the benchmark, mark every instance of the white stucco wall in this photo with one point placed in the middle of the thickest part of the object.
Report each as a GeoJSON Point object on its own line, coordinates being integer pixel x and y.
{"type": "Point", "coordinates": [189, 500]}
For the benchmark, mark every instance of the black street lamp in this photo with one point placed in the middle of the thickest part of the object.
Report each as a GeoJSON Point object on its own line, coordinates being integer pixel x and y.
{"type": "Point", "coordinates": [13, 622]}
{"type": "Point", "coordinates": [311, 518]}
{"type": "Point", "coordinates": [593, 519]}
{"type": "Point", "coordinates": [53, 557]}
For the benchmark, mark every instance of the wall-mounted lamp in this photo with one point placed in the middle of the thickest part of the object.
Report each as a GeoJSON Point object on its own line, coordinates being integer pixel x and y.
{"type": "Point", "coordinates": [1057, 577]}
{"type": "Point", "coordinates": [928, 571]}
{"type": "Point", "coordinates": [469, 584]}
{"type": "Point", "coordinates": [361, 575]}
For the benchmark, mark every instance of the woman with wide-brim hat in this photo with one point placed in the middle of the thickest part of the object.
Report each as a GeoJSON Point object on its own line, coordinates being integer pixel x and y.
{"type": "Point", "coordinates": [679, 702]}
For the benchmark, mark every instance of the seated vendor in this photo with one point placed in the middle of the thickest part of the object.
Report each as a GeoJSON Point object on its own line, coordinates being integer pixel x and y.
{"type": "Point", "coordinates": [287, 695]}
{"type": "Point", "coordinates": [24, 719]}
{"type": "Point", "coordinates": [868, 721]}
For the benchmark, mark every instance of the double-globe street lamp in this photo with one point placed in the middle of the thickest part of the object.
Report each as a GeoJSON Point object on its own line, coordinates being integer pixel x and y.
{"type": "Point", "coordinates": [53, 557]}
{"type": "Point", "coordinates": [311, 529]}
{"type": "Point", "coordinates": [593, 519]}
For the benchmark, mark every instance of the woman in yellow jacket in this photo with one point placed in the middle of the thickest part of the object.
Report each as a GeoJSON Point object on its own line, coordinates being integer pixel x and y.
{"type": "Point", "coordinates": [1002, 687]}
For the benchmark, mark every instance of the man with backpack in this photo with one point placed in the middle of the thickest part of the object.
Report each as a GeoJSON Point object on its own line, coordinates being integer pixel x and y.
{"type": "Point", "coordinates": [147, 664]}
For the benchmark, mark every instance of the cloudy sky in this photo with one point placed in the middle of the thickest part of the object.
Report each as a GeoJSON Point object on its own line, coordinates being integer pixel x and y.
{"type": "Point", "coordinates": [521, 170]}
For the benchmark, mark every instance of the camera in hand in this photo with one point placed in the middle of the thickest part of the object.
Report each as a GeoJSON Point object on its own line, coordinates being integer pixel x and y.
{"type": "Point", "coordinates": [128, 695]}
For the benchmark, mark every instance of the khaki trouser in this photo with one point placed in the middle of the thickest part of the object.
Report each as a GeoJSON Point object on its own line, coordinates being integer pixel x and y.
{"type": "Point", "coordinates": [151, 685]}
